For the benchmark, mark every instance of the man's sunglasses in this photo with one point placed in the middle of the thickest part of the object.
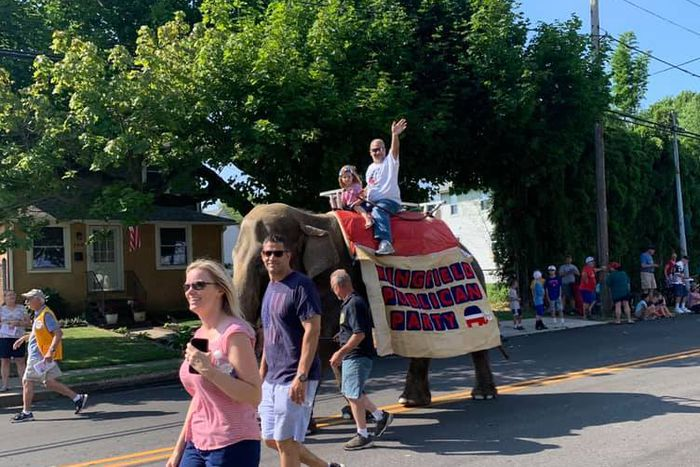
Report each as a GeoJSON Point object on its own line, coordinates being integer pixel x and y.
{"type": "Point", "coordinates": [275, 253]}
{"type": "Point", "coordinates": [198, 285]}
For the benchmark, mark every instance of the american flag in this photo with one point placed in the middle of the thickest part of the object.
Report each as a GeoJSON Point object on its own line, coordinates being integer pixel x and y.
{"type": "Point", "coordinates": [134, 238]}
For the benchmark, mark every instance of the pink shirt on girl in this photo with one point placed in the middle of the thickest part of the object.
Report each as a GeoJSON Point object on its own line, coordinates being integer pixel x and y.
{"type": "Point", "coordinates": [217, 420]}
{"type": "Point", "coordinates": [351, 195]}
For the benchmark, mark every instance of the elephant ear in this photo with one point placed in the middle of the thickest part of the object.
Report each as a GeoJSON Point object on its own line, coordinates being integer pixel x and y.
{"type": "Point", "coordinates": [319, 251]}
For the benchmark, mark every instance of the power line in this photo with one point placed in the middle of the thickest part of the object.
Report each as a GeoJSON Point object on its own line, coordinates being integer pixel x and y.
{"type": "Point", "coordinates": [677, 67]}
{"type": "Point", "coordinates": [671, 68]}
{"type": "Point", "coordinates": [693, 3]}
{"type": "Point", "coordinates": [651, 124]}
{"type": "Point", "coordinates": [692, 31]}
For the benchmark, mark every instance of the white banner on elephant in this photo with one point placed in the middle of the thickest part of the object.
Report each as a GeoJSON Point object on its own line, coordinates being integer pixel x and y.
{"type": "Point", "coordinates": [427, 306]}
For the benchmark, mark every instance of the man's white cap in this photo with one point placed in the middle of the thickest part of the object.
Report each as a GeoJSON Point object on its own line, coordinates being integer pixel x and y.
{"type": "Point", "coordinates": [34, 293]}
{"type": "Point", "coordinates": [551, 267]}
{"type": "Point", "coordinates": [589, 259]}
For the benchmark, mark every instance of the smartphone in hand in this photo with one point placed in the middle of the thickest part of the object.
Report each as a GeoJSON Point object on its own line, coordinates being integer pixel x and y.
{"type": "Point", "coordinates": [201, 345]}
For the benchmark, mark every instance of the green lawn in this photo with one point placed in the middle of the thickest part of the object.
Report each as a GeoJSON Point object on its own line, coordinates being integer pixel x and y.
{"type": "Point", "coordinates": [92, 347]}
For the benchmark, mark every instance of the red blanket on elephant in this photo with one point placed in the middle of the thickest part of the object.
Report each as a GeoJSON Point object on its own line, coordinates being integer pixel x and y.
{"type": "Point", "coordinates": [413, 233]}
{"type": "Point", "coordinates": [426, 299]}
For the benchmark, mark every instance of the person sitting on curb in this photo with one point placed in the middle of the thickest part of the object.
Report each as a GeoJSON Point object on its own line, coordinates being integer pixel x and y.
{"type": "Point", "coordinates": [355, 356]}
{"type": "Point", "coordinates": [45, 350]}
{"type": "Point", "coordinates": [382, 189]}
{"type": "Point", "coordinates": [645, 308]}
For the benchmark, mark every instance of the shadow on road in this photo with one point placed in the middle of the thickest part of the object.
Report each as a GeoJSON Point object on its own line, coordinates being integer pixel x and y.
{"type": "Point", "coordinates": [512, 424]}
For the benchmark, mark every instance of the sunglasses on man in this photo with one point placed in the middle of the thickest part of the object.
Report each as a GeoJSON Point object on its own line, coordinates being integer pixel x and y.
{"type": "Point", "coordinates": [275, 253]}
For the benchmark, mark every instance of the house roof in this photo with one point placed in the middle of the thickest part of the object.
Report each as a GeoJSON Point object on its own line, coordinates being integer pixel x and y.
{"type": "Point", "coordinates": [67, 211]}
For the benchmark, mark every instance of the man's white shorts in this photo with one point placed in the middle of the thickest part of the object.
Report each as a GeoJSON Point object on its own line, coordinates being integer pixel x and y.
{"type": "Point", "coordinates": [280, 417]}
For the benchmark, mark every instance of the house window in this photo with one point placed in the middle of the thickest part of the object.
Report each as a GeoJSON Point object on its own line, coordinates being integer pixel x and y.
{"type": "Point", "coordinates": [174, 247]}
{"type": "Point", "coordinates": [453, 209]}
{"type": "Point", "coordinates": [50, 250]}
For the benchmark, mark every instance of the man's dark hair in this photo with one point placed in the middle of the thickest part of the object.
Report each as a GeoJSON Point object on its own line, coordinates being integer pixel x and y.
{"type": "Point", "coordinates": [685, 257]}
{"type": "Point", "coordinates": [276, 238]}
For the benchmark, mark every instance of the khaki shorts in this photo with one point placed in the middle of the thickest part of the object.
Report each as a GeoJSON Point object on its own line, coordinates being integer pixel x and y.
{"type": "Point", "coordinates": [31, 374]}
{"type": "Point", "coordinates": [648, 280]}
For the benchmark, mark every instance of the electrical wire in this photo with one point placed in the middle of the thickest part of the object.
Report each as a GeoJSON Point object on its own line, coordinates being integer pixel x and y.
{"type": "Point", "coordinates": [635, 120]}
{"type": "Point", "coordinates": [631, 47]}
{"type": "Point", "coordinates": [671, 68]}
{"type": "Point", "coordinates": [693, 3]}
{"type": "Point", "coordinates": [692, 31]}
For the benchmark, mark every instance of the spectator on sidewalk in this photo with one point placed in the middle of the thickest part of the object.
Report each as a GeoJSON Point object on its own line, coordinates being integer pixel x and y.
{"type": "Point", "coordinates": [537, 290]}
{"type": "Point", "coordinates": [221, 425]}
{"type": "Point", "coordinates": [290, 367]}
{"type": "Point", "coordinates": [661, 308]}
{"type": "Point", "coordinates": [45, 349]}
{"type": "Point", "coordinates": [618, 282]}
{"type": "Point", "coordinates": [679, 282]}
{"type": "Point", "coordinates": [355, 357]}
{"type": "Point", "coordinates": [515, 307]}
{"type": "Point", "coordinates": [588, 286]}
{"type": "Point", "coordinates": [669, 269]}
{"type": "Point", "coordinates": [694, 299]}
{"type": "Point", "coordinates": [647, 268]}
{"type": "Point", "coordinates": [645, 308]}
{"type": "Point", "coordinates": [569, 274]}
{"type": "Point", "coordinates": [553, 297]}
{"type": "Point", "coordinates": [13, 321]}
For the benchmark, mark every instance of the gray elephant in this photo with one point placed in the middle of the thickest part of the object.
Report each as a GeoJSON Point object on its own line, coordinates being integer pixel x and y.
{"type": "Point", "coordinates": [318, 248]}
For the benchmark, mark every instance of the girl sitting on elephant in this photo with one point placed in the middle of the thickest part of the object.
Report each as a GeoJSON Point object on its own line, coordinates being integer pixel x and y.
{"type": "Point", "coordinates": [351, 184]}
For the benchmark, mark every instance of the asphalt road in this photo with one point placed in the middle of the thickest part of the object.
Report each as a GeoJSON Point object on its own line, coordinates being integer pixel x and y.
{"type": "Point", "coordinates": [604, 395]}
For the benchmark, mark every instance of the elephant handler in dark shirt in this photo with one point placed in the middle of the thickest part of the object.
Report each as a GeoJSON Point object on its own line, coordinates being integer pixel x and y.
{"type": "Point", "coordinates": [355, 355]}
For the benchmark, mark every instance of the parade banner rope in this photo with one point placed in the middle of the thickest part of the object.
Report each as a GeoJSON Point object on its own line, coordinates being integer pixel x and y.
{"type": "Point", "coordinates": [426, 300]}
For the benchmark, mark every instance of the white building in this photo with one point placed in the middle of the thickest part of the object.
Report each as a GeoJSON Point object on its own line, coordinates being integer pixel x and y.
{"type": "Point", "coordinates": [467, 215]}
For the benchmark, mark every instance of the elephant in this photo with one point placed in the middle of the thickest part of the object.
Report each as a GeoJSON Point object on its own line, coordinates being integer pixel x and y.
{"type": "Point", "coordinates": [318, 248]}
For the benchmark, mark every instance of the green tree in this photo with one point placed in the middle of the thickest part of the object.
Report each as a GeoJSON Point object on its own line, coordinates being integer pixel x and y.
{"type": "Point", "coordinates": [629, 74]}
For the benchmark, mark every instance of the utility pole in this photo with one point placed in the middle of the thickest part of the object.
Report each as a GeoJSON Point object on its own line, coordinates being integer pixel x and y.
{"type": "Point", "coordinates": [679, 193]}
{"type": "Point", "coordinates": [601, 196]}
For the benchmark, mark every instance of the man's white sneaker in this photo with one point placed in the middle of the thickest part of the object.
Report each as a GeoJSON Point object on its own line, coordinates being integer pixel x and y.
{"type": "Point", "coordinates": [678, 310]}
{"type": "Point", "coordinates": [686, 309]}
{"type": "Point", "coordinates": [385, 248]}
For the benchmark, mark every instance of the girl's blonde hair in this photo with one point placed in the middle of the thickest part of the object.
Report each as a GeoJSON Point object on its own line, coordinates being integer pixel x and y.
{"type": "Point", "coordinates": [221, 280]}
{"type": "Point", "coordinates": [352, 170]}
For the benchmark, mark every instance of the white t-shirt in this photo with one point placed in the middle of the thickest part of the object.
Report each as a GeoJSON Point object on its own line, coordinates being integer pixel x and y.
{"type": "Point", "coordinates": [383, 180]}
{"type": "Point", "coordinates": [17, 313]}
{"type": "Point", "coordinates": [679, 273]}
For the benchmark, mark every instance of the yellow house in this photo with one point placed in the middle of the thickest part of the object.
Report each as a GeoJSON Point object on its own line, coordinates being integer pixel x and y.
{"type": "Point", "coordinates": [96, 265]}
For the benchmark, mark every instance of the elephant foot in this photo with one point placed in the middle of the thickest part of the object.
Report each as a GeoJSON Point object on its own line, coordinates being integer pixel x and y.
{"type": "Point", "coordinates": [416, 401]}
{"type": "Point", "coordinates": [480, 394]}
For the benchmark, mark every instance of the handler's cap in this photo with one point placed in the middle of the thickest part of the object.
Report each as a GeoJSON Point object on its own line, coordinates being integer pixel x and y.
{"type": "Point", "coordinates": [589, 259]}
{"type": "Point", "coordinates": [34, 293]}
{"type": "Point", "coordinates": [551, 267]}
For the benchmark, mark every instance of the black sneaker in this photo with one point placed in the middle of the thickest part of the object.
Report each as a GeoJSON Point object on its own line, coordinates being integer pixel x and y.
{"type": "Point", "coordinates": [22, 417]}
{"type": "Point", "coordinates": [335, 464]}
{"type": "Point", "coordinates": [383, 423]}
{"type": "Point", "coordinates": [81, 403]}
{"type": "Point", "coordinates": [346, 413]}
{"type": "Point", "coordinates": [359, 442]}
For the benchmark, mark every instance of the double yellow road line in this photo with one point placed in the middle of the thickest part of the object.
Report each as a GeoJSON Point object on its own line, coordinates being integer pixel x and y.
{"type": "Point", "coordinates": [162, 454]}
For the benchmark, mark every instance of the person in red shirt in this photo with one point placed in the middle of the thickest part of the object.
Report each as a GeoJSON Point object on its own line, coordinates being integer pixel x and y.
{"type": "Point", "coordinates": [669, 268]}
{"type": "Point", "coordinates": [587, 285]}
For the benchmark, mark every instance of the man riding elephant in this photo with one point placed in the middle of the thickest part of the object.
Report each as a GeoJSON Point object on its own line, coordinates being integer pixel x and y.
{"type": "Point", "coordinates": [317, 247]}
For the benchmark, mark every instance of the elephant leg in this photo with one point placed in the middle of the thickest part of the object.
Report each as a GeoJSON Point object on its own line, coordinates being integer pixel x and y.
{"type": "Point", "coordinates": [416, 392]}
{"type": "Point", "coordinates": [485, 388]}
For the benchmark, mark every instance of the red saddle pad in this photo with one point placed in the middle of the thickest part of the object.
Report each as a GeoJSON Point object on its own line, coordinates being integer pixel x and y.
{"type": "Point", "coordinates": [413, 233]}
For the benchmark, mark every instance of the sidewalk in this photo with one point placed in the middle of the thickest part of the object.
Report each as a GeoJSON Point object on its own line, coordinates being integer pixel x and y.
{"type": "Point", "coordinates": [570, 322]}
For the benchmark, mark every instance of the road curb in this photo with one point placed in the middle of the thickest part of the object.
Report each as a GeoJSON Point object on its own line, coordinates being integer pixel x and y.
{"type": "Point", "coordinates": [14, 399]}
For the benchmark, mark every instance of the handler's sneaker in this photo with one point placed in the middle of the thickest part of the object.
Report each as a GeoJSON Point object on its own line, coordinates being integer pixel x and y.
{"type": "Point", "coordinates": [81, 403]}
{"type": "Point", "coordinates": [385, 248]}
{"type": "Point", "coordinates": [23, 417]}
{"type": "Point", "coordinates": [383, 423]}
{"type": "Point", "coordinates": [359, 442]}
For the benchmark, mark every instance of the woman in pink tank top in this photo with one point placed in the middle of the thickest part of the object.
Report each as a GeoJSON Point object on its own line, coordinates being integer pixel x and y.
{"type": "Point", "coordinates": [221, 426]}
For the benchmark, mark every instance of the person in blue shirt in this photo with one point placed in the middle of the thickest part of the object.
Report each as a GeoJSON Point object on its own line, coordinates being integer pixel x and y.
{"type": "Point", "coordinates": [647, 268]}
{"type": "Point", "coordinates": [553, 288]}
{"type": "Point", "coordinates": [537, 289]}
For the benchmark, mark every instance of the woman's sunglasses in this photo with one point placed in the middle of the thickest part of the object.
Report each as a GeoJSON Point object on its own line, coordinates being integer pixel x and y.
{"type": "Point", "coordinates": [275, 253]}
{"type": "Point", "coordinates": [198, 285]}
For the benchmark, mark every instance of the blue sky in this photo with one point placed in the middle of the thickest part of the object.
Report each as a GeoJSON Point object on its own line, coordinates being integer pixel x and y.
{"type": "Point", "coordinates": [654, 35]}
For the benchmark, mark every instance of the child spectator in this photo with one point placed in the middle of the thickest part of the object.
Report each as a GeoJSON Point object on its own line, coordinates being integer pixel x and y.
{"type": "Point", "coordinates": [645, 308]}
{"type": "Point", "coordinates": [553, 287]}
{"type": "Point", "coordinates": [680, 290]}
{"type": "Point", "coordinates": [537, 289]}
{"type": "Point", "coordinates": [351, 184]}
{"type": "Point", "coordinates": [514, 301]}
{"type": "Point", "coordinates": [619, 284]}
{"type": "Point", "coordinates": [588, 286]}
{"type": "Point", "coordinates": [694, 299]}
{"type": "Point", "coordinates": [661, 308]}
